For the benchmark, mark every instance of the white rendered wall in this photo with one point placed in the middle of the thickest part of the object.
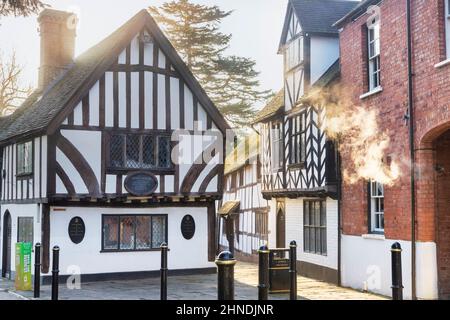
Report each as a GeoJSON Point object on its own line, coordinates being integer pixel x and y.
{"type": "Point", "coordinates": [324, 52]}
{"type": "Point", "coordinates": [272, 242]}
{"type": "Point", "coordinates": [183, 254]}
{"type": "Point", "coordinates": [294, 231]}
{"type": "Point", "coordinates": [366, 264]}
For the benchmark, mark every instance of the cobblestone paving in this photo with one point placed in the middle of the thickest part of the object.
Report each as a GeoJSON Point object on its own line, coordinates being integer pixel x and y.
{"type": "Point", "coordinates": [196, 287]}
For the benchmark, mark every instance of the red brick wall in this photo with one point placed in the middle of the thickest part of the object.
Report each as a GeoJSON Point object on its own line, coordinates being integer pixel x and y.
{"type": "Point", "coordinates": [432, 111]}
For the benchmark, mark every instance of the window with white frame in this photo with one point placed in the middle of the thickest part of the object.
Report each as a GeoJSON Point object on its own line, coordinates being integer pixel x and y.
{"type": "Point", "coordinates": [376, 190]}
{"type": "Point", "coordinates": [373, 41]}
{"type": "Point", "coordinates": [293, 54]}
{"type": "Point", "coordinates": [447, 27]}
{"type": "Point", "coordinates": [25, 158]}
{"type": "Point", "coordinates": [277, 146]}
{"type": "Point", "coordinates": [315, 227]}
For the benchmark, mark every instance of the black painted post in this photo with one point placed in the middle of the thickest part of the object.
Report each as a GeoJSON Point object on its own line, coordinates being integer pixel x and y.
{"type": "Point", "coordinates": [263, 273]}
{"type": "Point", "coordinates": [37, 270]}
{"type": "Point", "coordinates": [225, 275]}
{"type": "Point", "coordinates": [164, 250]}
{"type": "Point", "coordinates": [293, 270]}
{"type": "Point", "coordinates": [397, 282]}
{"type": "Point", "coordinates": [55, 273]}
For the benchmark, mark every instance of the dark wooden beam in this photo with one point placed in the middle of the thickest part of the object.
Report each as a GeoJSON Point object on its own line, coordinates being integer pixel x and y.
{"type": "Point", "coordinates": [45, 238]}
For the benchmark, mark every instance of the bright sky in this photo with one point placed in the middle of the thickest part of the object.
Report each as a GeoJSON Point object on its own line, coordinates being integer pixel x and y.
{"type": "Point", "coordinates": [255, 25]}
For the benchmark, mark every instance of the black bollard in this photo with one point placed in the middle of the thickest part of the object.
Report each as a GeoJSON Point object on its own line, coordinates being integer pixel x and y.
{"type": "Point", "coordinates": [397, 282]}
{"type": "Point", "coordinates": [164, 250]}
{"type": "Point", "coordinates": [37, 270]}
{"type": "Point", "coordinates": [55, 273]}
{"type": "Point", "coordinates": [225, 276]}
{"type": "Point", "coordinates": [293, 270]}
{"type": "Point", "coordinates": [263, 274]}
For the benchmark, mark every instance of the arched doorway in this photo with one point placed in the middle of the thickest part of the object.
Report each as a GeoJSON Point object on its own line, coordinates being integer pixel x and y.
{"type": "Point", "coordinates": [281, 227]}
{"type": "Point", "coordinates": [6, 246]}
{"type": "Point", "coordinates": [441, 148]}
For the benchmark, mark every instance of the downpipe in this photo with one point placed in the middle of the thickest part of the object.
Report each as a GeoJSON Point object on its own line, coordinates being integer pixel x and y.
{"type": "Point", "coordinates": [412, 150]}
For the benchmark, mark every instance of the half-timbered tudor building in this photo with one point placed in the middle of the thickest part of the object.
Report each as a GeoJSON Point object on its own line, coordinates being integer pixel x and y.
{"type": "Point", "coordinates": [95, 162]}
{"type": "Point", "coordinates": [244, 223]}
{"type": "Point", "coordinates": [299, 171]}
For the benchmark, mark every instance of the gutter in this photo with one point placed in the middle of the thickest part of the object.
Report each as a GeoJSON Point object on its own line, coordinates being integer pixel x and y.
{"type": "Point", "coordinates": [412, 151]}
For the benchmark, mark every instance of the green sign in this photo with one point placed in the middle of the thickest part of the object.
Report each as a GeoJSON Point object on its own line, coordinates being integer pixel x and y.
{"type": "Point", "coordinates": [23, 266]}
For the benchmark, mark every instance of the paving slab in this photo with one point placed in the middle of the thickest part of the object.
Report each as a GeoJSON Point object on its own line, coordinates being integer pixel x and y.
{"type": "Point", "coordinates": [193, 287]}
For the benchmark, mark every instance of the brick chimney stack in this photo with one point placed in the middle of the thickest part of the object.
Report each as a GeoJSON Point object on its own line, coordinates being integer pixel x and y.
{"type": "Point", "coordinates": [58, 32]}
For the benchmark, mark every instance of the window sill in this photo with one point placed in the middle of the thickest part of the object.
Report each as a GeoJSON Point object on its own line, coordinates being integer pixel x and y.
{"type": "Point", "coordinates": [442, 64]}
{"type": "Point", "coordinates": [316, 253]}
{"type": "Point", "coordinates": [131, 250]}
{"type": "Point", "coordinates": [297, 166]}
{"type": "Point", "coordinates": [371, 93]}
{"type": "Point", "coordinates": [156, 171]}
{"type": "Point", "coordinates": [24, 176]}
{"type": "Point", "coordinates": [374, 236]}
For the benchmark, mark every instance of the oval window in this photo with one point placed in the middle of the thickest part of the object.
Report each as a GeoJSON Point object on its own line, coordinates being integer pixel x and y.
{"type": "Point", "coordinates": [77, 230]}
{"type": "Point", "coordinates": [188, 227]}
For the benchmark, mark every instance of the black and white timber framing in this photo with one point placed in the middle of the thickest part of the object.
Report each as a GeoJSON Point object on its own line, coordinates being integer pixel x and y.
{"type": "Point", "coordinates": [112, 113]}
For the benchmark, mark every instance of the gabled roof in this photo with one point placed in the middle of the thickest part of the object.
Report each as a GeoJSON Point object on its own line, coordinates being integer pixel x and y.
{"type": "Point", "coordinates": [317, 16]}
{"type": "Point", "coordinates": [229, 207]}
{"type": "Point", "coordinates": [331, 74]}
{"type": "Point", "coordinates": [276, 105]}
{"type": "Point", "coordinates": [357, 11]}
{"type": "Point", "coordinates": [272, 108]}
{"type": "Point", "coordinates": [245, 152]}
{"type": "Point", "coordinates": [43, 111]}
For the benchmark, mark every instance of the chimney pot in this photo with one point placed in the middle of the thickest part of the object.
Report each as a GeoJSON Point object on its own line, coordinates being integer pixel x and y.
{"type": "Point", "coordinates": [58, 31]}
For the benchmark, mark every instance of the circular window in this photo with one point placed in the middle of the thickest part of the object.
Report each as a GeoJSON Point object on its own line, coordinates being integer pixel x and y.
{"type": "Point", "coordinates": [77, 230]}
{"type": "Point", "coordinates": [188, 227]}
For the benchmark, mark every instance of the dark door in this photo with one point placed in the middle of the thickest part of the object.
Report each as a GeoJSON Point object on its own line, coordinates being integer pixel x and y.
{"type": "Point", "coordinates": [6, 246]}
{"type": "Point", "coordinates": [281, 229]}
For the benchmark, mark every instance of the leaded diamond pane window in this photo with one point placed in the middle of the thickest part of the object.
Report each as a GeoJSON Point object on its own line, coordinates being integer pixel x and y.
{"type": "Point", "coordinates": [110, 232]}
{"type": "Point", "coordinates": [133, 150]}
{"type": "Point", "coordinates": [139, 151]}
{"type": "Point", "coordinates": [158, 231]}
{"type": "Point", "coordinates": [133, 232]}
{"type": "Point", "coordinates": [164, 152]}
{"type": "Point", "coordinates": [148, 152]}
{"type": "Point", "coordinates": [116, 151]}
{"type": "Point", "coordinates": [143, 233]}
{"type": "Point", "coordinates": [127, 230]}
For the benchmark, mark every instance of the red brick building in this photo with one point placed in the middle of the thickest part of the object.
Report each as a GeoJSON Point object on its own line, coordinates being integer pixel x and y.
{"type": "Point", "coordinates": [375, 69]}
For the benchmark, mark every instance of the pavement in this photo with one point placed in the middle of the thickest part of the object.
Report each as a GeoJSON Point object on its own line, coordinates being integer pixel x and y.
{"type": "Point", "coordinates": [193, 287]}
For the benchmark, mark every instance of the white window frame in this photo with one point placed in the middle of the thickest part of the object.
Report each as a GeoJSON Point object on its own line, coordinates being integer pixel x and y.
{"type": "Point", "coordinates": [376, 190]}
{"type": "Point", "coordinates": [447, 27]}
{"type": "Point", "coordinates": [293, 55]}
{"type": "Point", "coordinates": [25, 158]}
{"type": "Point", "coordinates": [277, 145]}
{"type": "Point", "coordinates": [373, 55]}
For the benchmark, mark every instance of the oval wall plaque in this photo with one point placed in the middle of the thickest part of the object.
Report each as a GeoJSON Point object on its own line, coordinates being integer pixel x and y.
{"type": "Point", "coordinates": [188, 227]}
{"type": "Point", "coordinates": [77, 230]}
{"type": "Point", "coordinates": [141, 184]}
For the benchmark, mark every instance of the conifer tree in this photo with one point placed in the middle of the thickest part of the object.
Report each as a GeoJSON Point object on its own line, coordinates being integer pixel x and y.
{"type": "Point", "coordinates": [230, 81]}
{"type": "Point", "coordinates": [20, 7]}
